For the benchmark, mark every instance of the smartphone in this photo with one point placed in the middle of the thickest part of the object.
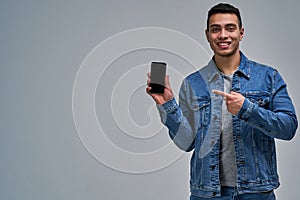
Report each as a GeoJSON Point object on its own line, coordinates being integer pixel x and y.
{"type": "Point", "coordinates": [157, 77]}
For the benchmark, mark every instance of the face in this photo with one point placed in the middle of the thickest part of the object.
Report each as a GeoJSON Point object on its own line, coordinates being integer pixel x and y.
{"type": "Point", "coordinates": [224, 34]}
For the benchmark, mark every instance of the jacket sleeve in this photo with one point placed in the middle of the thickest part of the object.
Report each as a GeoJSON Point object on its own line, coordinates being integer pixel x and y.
{"type": "Point", "coordinates": [279, 120]}
{"type": "Point", "coordinates": [179, 119]}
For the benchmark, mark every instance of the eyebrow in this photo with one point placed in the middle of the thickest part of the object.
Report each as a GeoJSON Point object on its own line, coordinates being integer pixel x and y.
{"type": "Point", "coordinates": [235, 25]}
{"type": "Point", "coordinates": [226, 25]}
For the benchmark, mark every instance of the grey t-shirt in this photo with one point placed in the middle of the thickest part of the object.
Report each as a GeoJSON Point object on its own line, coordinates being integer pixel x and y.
{"type": "Point", "coordinates": [228, 171]}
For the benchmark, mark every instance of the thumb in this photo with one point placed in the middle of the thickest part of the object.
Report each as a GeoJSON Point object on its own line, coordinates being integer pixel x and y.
{"type": "Point", "coordinates": [234, 93]}
{"type": "Point", "coordinates": [167, 82]}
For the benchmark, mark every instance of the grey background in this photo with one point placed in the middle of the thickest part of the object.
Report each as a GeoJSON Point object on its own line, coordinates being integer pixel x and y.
{"type": "Point", "coordinates": [43, 44]}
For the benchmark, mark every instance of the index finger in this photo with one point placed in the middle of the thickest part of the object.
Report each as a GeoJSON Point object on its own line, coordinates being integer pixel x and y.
{"type": "Point", "coordinates": [218, 92]}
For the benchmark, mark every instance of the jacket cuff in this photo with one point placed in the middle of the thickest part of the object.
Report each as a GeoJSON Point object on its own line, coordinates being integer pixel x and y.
{"type": "Point", "coordinates": [246, 109]}
{"type": "Point", "coordinates": [168, 107]}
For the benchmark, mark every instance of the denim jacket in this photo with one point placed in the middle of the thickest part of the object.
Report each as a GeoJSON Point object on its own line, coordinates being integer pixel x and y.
{"type": "Point", "coordinates": [195, 124]}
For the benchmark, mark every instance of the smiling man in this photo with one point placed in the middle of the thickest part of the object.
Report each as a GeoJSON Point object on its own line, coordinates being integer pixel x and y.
{"type": "Point", "coordinates": [229, 114]}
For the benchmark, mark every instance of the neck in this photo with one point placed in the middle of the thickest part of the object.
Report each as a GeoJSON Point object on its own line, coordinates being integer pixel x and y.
{"type": "Point", "coordinates": [228, 64]}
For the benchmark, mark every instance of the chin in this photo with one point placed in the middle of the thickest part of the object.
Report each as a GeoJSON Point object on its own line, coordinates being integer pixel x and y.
{"type": "Point", "coordinates": [226, 53]}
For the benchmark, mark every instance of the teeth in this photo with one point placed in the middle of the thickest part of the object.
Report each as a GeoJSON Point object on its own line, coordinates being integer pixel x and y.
{"type": "Point", "coordinates": [223, 44]}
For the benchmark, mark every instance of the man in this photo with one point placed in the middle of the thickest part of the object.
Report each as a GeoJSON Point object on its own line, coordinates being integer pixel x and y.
{"type": "Point", "coordinates": [229, 113]}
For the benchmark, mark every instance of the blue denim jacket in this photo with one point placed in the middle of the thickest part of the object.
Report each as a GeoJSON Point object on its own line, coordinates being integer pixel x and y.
{"type": "Point", "coordinates": [195, 124]}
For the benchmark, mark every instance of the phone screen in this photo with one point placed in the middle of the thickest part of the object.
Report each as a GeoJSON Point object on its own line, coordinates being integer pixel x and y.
{"type": "Point", "coordinates": [157, 77]}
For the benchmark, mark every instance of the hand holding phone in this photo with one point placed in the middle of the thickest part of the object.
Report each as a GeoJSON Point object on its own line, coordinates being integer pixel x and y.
{"type": "Point", "coordinates": [159, 87]}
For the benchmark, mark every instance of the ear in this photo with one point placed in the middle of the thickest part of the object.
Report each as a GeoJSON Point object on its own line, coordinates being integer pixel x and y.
{"type": "Point", "coordinates": [242, 31]}
{"type": "Point", "coordinates": [207, 36]}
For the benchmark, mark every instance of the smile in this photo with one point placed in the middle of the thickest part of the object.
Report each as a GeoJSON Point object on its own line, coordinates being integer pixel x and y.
{"type": "Point", "coordinates": [223, 44]}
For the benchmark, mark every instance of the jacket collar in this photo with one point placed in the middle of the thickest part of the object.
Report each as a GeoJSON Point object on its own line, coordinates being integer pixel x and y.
{"type": "Point", "coordinates": [244, 68]}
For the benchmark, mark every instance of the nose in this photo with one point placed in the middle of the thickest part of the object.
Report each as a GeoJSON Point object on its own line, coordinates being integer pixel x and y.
{"type": "Point", "coordinates": [223, 34]}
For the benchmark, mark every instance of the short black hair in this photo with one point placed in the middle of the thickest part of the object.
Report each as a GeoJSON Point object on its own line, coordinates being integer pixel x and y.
{"type": "Point", "coordinates": [224, 8]}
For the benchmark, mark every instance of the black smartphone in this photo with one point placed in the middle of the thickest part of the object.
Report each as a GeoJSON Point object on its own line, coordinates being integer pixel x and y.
{"type": "Point", "coordinates": [157, 77]}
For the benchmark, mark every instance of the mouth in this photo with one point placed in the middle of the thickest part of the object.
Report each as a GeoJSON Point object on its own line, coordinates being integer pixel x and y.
{"type": "Point", "coordinates": [223, 45]}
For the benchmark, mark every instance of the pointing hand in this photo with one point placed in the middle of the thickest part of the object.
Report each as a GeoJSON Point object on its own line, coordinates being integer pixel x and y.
{"type": "Point", "coordinates": [234, 100]}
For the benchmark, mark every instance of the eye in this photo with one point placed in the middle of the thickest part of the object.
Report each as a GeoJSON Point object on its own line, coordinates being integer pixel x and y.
{"type": "Point", "coordinates": [214, 29]}
{"type": "Point", "coordinates": [231, 28]}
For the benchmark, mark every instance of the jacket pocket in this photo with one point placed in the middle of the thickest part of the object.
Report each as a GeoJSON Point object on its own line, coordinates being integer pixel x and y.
{"type": "Point", "coordinates": [261, 98]}
{"type": "Point", "coordinates": [200, 106]}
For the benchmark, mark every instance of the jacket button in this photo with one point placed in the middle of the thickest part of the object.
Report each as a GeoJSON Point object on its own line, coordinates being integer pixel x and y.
{"type": "Point", "coordinates": [242, 162]}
